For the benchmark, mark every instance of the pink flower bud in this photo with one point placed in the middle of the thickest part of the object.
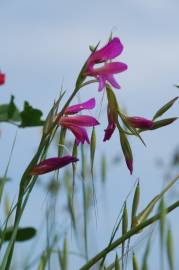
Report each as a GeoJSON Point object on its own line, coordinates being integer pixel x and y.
{"type": "Point", "coordinates": [52, 164]}
{"type": "Point", "coordinates": [139, 122]}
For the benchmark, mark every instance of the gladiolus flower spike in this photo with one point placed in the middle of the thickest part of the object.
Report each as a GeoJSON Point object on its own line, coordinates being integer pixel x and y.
{"type": "Point", "coordinates": [52, 164]}
{"type": "Point", "coordinates": [106, 72]}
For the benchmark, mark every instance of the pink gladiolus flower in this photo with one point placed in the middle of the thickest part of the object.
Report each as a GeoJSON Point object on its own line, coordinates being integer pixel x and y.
{"type": "Point", "coordinates": [2, 78]}
{"type": "Point", "coordinates": [52, 164]}
{"type": "Point", "coordinates": [88, 105]}
{"type": "Point", "coordinates": [77, 126]}
{"type": "Point", "coordinates": [106, 72]}
{"type": "Point", "coordinates": [139, 122]}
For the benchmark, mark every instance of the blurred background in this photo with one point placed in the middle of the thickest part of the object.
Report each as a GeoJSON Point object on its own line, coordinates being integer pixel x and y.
{"type": "Point", "coordinates": [43, 47]}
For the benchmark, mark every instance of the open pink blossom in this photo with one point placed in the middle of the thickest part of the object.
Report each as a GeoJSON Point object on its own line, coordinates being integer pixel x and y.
{"type": "Point", "coordinates": [2, 78]}
{"type": "Point", "coordinates": [139, 122]}
{"type": "Point", "coordinates": [104, 55]}
{"type": "Point", "coordinates": [52, 164]}
{"type": "Point", "coordinates": [77, 126]}
{"type": "Point", "coordinates": [88, 105]}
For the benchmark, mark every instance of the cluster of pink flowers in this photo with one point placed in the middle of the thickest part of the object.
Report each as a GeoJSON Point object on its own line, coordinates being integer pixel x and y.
{"type": "Point", "coordinates": [77, 124]}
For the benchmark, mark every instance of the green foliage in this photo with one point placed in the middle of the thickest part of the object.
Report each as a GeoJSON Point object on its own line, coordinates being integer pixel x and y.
{"type": "Point", "coordinates": [92, 149]}
{"type": "Point", "coordinates": [164, 108]}
{"type": "Point", "coordinates": [23, 234]}
{"type": "Point", "coordinates": [63, 256]}
{"type": "Point", "coordinates": [9, 112]}
{"type": "Point", "coordinates": [170, 251]}
{"type": "Point", "coordinates": [103, 168]}
{"type": "Point", "coordinates": [146, 254]}
{"type": "Point", "coordinates": [117, 263]}
{"type": "Point", "coordinates": [135, 263]}
{"type": "Point", "coordinates": [135, 204]}
{"type": "Point", "coordinates": [30, 116]}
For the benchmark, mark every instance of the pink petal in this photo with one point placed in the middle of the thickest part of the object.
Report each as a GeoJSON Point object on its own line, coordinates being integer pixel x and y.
{"type": "Point", "coordinates": [52, 164]}
{"type": "Point", "coordinates": [82, 120]}
{"type": "Point", "coordinates": [113, 81]}
{"type": "Point", "coordinates": [102, 80]}
{"type": "Point", "coordinates": [110, 51]}
{"type": "Point", "coordinates": [89, 104]}
{"type": "Point", "coordinates": [108, 68]}
{"type": "Point", "coordinates": [80, 134]}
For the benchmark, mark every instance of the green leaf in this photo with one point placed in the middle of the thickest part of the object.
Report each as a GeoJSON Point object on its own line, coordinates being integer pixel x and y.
{"type": "Point", "coordinates": [13, 112]}
{"type": "Point", "coordinates": [4, 112]}
{"type": "Point", "coordinates": [92, 149]}
{"type": "Point", "coordinates": [9, 112]}
{"type": "Point", "coordinates": [126, 150]}
{"type": "Point", "coordinates": [83, 163]}
{"type": "Point", "coordinates": [117, 264]}
{"type": "Point", "coordinates": [31, 116]}
{"type": "Point", "coordinates": [3, 181]}
{"type": "Point", "coordinates": [165, 108]}
{"type": "Point", "coordinates": [135, 263]}
{"type": "Point", "coordinates": [124, 220]}
{"type": "Point", "coordinates": [74, 154]}
{"type": "Point", "coordinates": [135, 204]}
{"type": "Point", "coordinates": [112, 102]}
{"type": "Point", "coordinates": [170, 251]}
{"type": "Point", "coordinates": [61, 142]}
{"type": "Point", "coordinates": [103, 168]}
{"type": "Point", "coordinates": [63, 256]}
{"type": "Point", "coordinates": [23, 234]}
{"type": "Point", "coordinates": [145, 257]}
{"type": "Point", "coordinates": [163, 122]}
{"type": "Point", "coordinates": [162, 211]}
{"type": "Point", "coordinates": [71, 211]}
{"type": "Point", "coordinates": [124, 228]}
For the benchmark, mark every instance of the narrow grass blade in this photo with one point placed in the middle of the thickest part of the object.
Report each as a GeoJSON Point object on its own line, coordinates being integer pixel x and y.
{"type": "Point", "coordinates": [135, 204]}
{"type": "Point", "coordinates": [135, 263]}
{"type": "Point", "coordinates": [165, 108]}
{"type": "Point", "coordinates": [170, 251]}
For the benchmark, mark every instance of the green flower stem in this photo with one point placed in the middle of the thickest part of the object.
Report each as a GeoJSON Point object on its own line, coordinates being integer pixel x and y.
{"type": "Point", "coordinates": [26, 178]}
{"type": "Point", "coordinates": [129, 234]}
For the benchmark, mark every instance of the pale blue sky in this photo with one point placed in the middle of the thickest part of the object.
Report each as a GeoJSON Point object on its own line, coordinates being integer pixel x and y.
{"type": "Point", "coordinates": [45, 43]}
